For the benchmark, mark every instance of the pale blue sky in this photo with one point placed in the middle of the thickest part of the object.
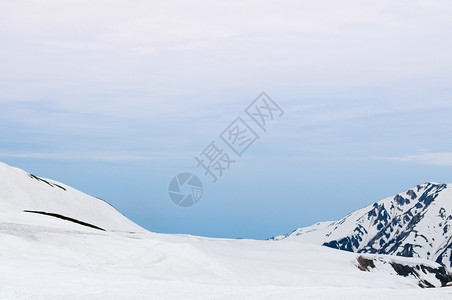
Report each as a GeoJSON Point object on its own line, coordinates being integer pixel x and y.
{"type": "Point", "coordinates": [117, 97]}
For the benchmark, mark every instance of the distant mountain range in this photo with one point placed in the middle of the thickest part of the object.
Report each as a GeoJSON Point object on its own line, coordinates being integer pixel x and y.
{"type": "Point", "coordinates": [415, 223]}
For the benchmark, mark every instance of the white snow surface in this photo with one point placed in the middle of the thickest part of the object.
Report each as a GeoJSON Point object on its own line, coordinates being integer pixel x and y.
{"type": "Point", "coordinates": [19, 192]}
{"type": "Point", "coordinates": [43, 257]}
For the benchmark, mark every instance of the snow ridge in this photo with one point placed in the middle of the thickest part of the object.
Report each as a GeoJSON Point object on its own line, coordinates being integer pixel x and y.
{"type": "Point", "coordinates": [415, 223]}
{"type": "Point", "coordinates": [26, 198]}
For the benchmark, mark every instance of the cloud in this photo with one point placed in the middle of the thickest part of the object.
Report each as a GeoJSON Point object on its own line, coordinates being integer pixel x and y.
{"type": "Point", "coordinates": [107, 75]}
{"type": "Point", "coordinates": [110, 157]}
{"type": "Point", "coordinates": [437, 159]}
{"type": "Point", "coordinates": [76, 52]}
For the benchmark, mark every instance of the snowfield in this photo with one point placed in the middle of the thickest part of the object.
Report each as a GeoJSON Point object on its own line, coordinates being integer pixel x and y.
{"type": "Point", "coordinates": [47, 257]}
{"type": "Point", "coordinates": [51, 263]}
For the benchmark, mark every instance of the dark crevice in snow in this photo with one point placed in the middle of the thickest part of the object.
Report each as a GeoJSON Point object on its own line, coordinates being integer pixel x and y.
{"type": "Point", "coordinates": [59, 186]}
{"type": "Point", "coordinates": [45, 181]}
{"type": "Point", "coordinates": [64, 218]}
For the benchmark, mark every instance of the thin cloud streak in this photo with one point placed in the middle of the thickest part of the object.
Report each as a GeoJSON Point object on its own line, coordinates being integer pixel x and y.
{"type": "Point", "coordinates": [95, 156]}
{"type": "Point", "coordinates": [437, 159]}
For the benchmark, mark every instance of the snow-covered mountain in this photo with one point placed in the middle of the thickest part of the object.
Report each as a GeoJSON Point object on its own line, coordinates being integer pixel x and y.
{"type": "Point", "coordinates": [416, 223]}
{"type": "Point", "coordinates": [26, 198]}
{"type": "Point", "coordinates": [59, 243]}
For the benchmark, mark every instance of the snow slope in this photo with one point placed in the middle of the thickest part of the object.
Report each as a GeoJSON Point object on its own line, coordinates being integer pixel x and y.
{"type": "Point", "coordinates": [44, 257]}
{"type": "Point", "coordinates": [416, 223]}
{"type": "Point", "coordinates": [20, 191]}
{"type": "Point", "coordinates": [46, 263]}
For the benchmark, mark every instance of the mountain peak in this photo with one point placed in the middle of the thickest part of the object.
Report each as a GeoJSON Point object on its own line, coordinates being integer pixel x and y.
{"type": "Point", "coordinates": [415, 223]}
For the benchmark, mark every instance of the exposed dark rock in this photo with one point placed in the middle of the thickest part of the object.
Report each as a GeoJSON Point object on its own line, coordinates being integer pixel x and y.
{"type": "Point", "coordinates": [364, 264]}
{"type": "Point", "coordinates": [418, 271]}
{"type": "Point", "coordinates": [412, 194]}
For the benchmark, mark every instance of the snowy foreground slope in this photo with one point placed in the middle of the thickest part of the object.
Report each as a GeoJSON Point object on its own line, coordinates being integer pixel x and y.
{"type": "Point", "coordinates": [82, 248]}
{"type": "Point", "coordinates": [20, 192]}
{"type": "Point", "coordinates": [416, 223]}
